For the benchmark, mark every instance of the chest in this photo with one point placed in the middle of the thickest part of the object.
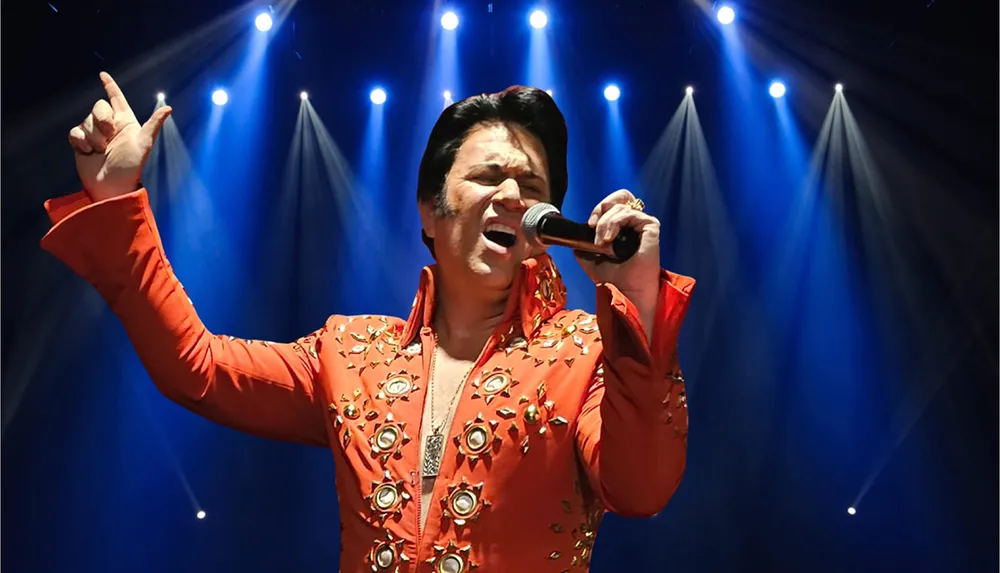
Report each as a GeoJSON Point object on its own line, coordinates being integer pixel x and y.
{"type": "Point", "coordinates": [385, 397]}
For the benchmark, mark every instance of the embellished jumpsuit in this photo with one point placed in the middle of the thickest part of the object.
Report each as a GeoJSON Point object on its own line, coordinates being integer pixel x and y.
{"type": "Point", "coordinates": [564, 416]}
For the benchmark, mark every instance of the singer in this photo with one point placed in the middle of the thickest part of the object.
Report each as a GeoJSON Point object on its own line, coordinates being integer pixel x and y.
{"type": "Point", "coordinates": [490, 429]}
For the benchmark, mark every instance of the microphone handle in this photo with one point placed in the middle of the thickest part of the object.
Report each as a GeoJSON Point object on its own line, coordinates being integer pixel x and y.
{"type": "Point", "coordinates": [556, 230]}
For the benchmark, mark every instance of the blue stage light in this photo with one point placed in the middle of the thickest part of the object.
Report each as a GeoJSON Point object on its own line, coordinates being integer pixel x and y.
{"type": "Point", "coordinates": [725, 14]}
{"type": "Point", "coordinates": [220, 97]}
{"type": "Point", "coordinates": [776, 89]}
{"type": "Point", "coordinates": [449, 21]}
{"type": "Point", "coordinates": [612, 93]}
{"type": "Point", "coordinates": [263, 22]}
{"type": "Point", "coordinates": [538, 19]}
{"type": "Point", "coordinates": [378, 96]}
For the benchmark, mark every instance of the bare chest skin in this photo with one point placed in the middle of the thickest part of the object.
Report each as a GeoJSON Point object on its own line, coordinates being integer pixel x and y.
{"type": "Point", "coordinates": [447, 378]}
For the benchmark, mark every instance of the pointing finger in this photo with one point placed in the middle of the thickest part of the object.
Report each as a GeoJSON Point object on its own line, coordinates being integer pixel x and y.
{"type": "Point", "coordinates": [104, 118]}
{"type": "Point", "coordinates": [118, 102]}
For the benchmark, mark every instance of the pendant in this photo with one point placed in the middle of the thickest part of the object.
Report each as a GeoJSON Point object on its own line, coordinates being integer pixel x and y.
{"type": "Point", "coordinates": [433, 450]}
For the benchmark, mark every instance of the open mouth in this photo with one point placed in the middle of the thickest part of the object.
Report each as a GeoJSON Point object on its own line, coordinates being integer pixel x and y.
{"type": "Point", "coordinates": [502, 238]}
{"type": "Point", "coordinates": [501, 234]}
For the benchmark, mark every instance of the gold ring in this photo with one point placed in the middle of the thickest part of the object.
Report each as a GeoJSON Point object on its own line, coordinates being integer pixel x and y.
{"type": "Point", "coordinates": [636, 203]}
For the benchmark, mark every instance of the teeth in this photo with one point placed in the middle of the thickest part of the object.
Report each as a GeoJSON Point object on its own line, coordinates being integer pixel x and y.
{"type": "Point", "coordinates": [502, 228]}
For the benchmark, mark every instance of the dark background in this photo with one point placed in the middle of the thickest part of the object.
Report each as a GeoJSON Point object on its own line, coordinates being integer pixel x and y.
{"type": "Point", "coordinates": [784, 436]}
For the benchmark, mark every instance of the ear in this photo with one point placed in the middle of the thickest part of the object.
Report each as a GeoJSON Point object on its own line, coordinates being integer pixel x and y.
{"type": "Point", "coordinates": [427, 217]}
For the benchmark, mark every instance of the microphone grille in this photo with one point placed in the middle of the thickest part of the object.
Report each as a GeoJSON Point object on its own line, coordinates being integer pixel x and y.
{"type": "Point", "coordinates": [533, 217]}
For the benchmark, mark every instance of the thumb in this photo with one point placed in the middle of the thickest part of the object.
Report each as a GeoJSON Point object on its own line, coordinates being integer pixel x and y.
{"type": "Point", "coordinates": [151, 128]}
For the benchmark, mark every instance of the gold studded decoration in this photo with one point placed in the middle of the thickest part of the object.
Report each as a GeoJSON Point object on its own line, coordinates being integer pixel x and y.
{"type": "Point", "coordinates": [464, 502]}
{"type": "Point", "coordinates": [387, 498]}
{"type": "Point", "coordinates": [478, 439]}
{"type": "Point", "coordinates": [388, 438]}
{"type": "Point", "coordinates": [387, 554]}
{"type": "Point", "coordinates": [452, 559]}
{"type": "Point", "coordinates": [493, 383]}
{"type": "Point", "coordinates": [397, 386]}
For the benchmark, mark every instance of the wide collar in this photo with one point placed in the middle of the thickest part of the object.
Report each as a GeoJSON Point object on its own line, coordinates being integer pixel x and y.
{"type": "Point", "coordinates": [537, 294]}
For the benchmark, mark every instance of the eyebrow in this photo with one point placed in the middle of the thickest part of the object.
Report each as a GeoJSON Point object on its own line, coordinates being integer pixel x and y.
{"type": "Point", "coordinates": [527, 172]}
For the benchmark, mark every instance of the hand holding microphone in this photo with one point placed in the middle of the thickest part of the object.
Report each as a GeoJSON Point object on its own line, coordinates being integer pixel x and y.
{"type": "Point", "coordinates": [543, 224]}
{"type": "Point", "coordinates": [618, 232]}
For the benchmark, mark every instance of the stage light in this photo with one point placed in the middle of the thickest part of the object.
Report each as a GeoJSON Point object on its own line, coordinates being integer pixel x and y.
{"type": "Point", "coordinates": [304, 96]}
{"type": "Point", "coordinates": [201, 514]}
{"type": "Point", "coordinates": [161, 96]}
{"type": "Point", "coordinates": [263, 22]}
{"type": "Point", "coordinates": [549, 92]}
{"type": "Point", "coordinates": [538, 19]}
{"type": "Point", "coordinates": [725, 14]}
{"type": "Point", "coordinates": [449, 21]}
{"type": "Point", "coordinates": [851, 511]}
{"type": "Point", "coordinates": [777, 89]}
{"type": "Point", "coordinates": [378, 96]}
{"type": "Point", "coordinates": [839, 87]}
{"type": "Point", "coordinates": [446, 94]}
{"type": "Point", "coordinates": [612, 93]}
{"type": "Point", "coordinates": [689, 90]}
{"type": "Point", "coordinates": [220, 97]}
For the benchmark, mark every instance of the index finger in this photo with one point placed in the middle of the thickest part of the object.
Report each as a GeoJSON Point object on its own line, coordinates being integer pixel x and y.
{"type": "Point", "coordinates": [617, 198]}
{"type": "Point", "coordinates": [115, 95]}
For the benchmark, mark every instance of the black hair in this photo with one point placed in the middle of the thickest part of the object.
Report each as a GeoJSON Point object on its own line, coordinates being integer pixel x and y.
{"type": "Point", "coordinates": [530, 108]}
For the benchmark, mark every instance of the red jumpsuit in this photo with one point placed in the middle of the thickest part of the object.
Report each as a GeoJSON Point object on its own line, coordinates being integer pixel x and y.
{"type": "Point", "coordinates": [565, 415]}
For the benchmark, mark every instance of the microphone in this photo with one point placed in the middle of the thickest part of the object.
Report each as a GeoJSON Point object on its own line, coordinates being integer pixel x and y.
{"type": "Point", "coordinates": [543, 224]}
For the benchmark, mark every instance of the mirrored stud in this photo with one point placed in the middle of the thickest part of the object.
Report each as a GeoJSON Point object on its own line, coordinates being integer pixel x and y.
{"type": "Point", "coordinates": [388, 438]}
{"type": "Point", "coordinates": [387, 555]}
{"type": "Point", "coordinates": [464, 502]}
{"type": "Point", "coordinates": [494, 383]}
{"type": "Point", "coordinates": [451, 559]}
{"type": "Point", "coordinates": [478, 439]}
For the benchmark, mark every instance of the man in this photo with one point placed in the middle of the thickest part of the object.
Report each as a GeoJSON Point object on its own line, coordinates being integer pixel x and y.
{"type": "Point", "coordinates": [492, 428]}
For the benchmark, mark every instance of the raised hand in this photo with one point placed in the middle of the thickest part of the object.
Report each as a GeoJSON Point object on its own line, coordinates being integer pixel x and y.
{"type": "Point", "coordinates": [639, 277]}
{"type": "Point", "coordinates": [111, 147]}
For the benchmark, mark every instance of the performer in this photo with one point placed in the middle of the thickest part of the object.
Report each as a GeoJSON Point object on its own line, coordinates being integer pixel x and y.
{"type": "Point", "coordinates": [493, 427]}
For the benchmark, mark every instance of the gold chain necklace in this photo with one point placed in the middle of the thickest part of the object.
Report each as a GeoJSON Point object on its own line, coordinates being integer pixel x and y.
{"type": "Point", "coordinates": [434, 443]}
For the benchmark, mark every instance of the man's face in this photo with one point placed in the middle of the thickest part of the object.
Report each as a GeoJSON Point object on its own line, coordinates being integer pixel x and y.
{"type": "Point", "coordinates": [499, 172]}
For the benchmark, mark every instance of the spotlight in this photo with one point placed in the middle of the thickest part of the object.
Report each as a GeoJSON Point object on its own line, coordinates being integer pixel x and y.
{"type": "Point", "coordinates": [777, 89]}
{"type": "Point", "coordinates": [378, 96]}
{"type": "Point", "coordinates": [612, 93]}
{"type": "Point", "coordinates": [725, 14]}
{"type": "Point", "coordinates": [446, 94]}
{"type": "Point", "coordinates": [161, 96]}
{"type": "Point", "coordinates": [689, 90]}
{"type": "Point", "coordinates": [220, 97]}
{"type": "Point", "coordinates": [449, 21]}
{"type": "Point", "coordinates": [839, 87]}
{"type": "Point", "coordinates": [304, 96]}
{"type": "Point", "coordinates": [201, 514]}
{"type": "Point", "coordinates": [538, 19]}
{"type": "Point", "coordinates": [549, 92]}
{"type": "Point", "coordinates": [263, 22]}
{"type": "Point", "coordinates": [851, 511]}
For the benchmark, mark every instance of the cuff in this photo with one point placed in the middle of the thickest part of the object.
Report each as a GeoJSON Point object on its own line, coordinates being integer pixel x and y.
{"type": "Point", "coordinates": [89, 236]}
{"type": "Point", "coordinates": [625, 336]}
{"type": "Point", "coordinates": [62, 207]}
